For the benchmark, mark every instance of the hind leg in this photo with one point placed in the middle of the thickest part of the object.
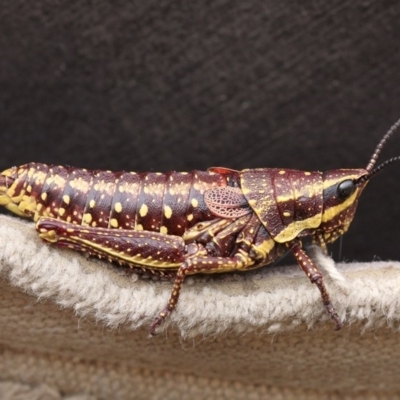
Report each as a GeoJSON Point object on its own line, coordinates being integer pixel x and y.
{"type": "Point", "coordinates": [133, 248]}
{"type": "Point", "coordinates": [198, 265]}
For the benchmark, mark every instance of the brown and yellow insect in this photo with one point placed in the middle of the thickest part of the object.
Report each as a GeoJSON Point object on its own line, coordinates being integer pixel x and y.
{"type": "Point", "coordinates": [182, 223]}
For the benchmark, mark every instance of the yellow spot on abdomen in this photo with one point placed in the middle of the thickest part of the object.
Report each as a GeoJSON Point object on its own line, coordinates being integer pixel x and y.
{"type": "Point", "coordinates": [61, 212]}
{"type": "Point", "coordinates": [87, 218]}
{"type": "Point", "coordinates": [195, 203]}
{"type": "Point", "coordinates": [282, 172]}
{"type": "Point", "coordinates": [143, 210]}
{"type": "Point", "coordinates": [66, 199]}
{"type": "Point", "coordinates": [114, 223]}
{"type": "Point", "coordinates": [118, 207]}
{"type": "Point", "coordinates": [43, 196]}
{"type": "Point", "coordinates": [167, 211]}
{"type": "Point", "coordinates": [92, 203]}
{"type": "Point", "coordinates": [164, 230]}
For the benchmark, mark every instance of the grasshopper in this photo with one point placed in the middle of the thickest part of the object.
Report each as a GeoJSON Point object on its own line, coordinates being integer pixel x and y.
{"type": "Point", "coordinates": [176, 224]}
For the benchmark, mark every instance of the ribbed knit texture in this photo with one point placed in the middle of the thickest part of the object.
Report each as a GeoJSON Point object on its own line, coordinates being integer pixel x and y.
{"type": "Point", "coordinates": [231, 335]}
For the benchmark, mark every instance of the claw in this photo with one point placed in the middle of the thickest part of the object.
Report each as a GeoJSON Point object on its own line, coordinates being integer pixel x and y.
{"type": "Point", "coordinates": [334, 316]}
{"type": "Point", "coordinates": [338, 323]}
{"type": "Point", "coordinates": [158, 321]}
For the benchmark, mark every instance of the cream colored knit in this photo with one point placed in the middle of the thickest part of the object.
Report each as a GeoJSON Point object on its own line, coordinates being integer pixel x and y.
{"type": "Point", "coordinates": [232, 336]}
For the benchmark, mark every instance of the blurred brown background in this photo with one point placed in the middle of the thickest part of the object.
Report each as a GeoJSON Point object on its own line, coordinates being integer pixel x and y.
{"type": "Point", "coordinates": [176, 85]}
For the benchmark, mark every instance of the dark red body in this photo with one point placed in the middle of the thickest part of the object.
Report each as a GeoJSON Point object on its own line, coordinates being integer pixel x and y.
{"type": "Point", "coordinates": [182, 223]}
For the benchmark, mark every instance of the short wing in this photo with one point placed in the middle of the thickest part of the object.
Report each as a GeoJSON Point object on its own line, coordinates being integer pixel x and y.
{"type": "Point", "coordinates": [227, 202]}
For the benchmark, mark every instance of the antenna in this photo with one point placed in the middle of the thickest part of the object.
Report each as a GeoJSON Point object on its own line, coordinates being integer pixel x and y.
{"type": "Point", "coordinates": [380, 146]}
{"type": "Point", "coordinates": [383, 165]}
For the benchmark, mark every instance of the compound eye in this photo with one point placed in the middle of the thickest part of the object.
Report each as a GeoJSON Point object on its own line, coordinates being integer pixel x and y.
{"type": "Point", "coordinates": [346, 189]}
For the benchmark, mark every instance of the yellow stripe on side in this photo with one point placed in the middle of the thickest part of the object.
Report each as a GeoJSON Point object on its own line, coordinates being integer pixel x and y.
{"type": "Point", "coordinates": [264, 248]}
{"type": "Point", "coordinates": [330, 213]}
{"type": "Point", "coordinates": [335, 180]}
{"type": "Point", "coordinates": [294, 228]}
{"type": "Point", "coordinates": [148, 262]}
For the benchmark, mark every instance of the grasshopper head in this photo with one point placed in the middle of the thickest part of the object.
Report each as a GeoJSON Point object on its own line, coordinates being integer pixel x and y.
{"type": "Point", "coordinates": [343, 187]}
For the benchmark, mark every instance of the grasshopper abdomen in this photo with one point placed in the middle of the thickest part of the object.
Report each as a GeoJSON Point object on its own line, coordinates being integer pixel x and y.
{"type": "Point", "coordinates": [159, 202]}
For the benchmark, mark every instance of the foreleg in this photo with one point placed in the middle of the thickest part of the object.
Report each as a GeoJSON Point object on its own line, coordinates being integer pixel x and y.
{"type": "Point", "coordinates": [316, 277]}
